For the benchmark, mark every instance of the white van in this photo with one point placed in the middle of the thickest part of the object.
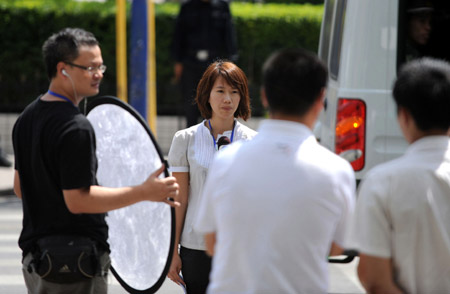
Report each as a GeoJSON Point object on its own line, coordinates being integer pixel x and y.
{"type": "Point", "coordinates": [363, 43]}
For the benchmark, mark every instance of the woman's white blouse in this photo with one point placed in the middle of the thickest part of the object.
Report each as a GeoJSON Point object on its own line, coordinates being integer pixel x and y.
{"type": "Point", "coordinates": [192, 151]}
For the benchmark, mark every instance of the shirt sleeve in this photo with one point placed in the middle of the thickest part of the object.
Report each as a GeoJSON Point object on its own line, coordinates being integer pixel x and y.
{"type": "Point", "coordinates": [78, 162]}
{"type": "Point", "coordinates": [371, 228]}
{"type": "Point", "coordinates": [178, 153]}
{"type": "Point", "coordinates": [347, 188]}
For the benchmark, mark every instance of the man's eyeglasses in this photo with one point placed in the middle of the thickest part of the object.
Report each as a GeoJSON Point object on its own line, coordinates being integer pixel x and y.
{"type": "Point", "coordinates": [91, 69]}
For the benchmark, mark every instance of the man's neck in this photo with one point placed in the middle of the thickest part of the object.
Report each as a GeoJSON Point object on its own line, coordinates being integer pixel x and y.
{"type": "Point", "coordinates": [220, 126]}
{"type": "Point", "coordinates": [293, 118]}
{"type": "Point", "coordinates": [68, 93]}
{"type": "Point", "coordinates": [422, 134]}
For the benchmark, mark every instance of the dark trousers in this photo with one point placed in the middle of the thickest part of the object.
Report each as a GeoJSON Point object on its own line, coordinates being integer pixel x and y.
{"type": "Point", "coordinates": [195, 268]}
{"type": "Point", "coordinates": [190, 77]}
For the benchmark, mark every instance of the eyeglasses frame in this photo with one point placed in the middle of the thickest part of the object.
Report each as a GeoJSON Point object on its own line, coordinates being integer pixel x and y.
{"type": "Point", "coordinates": [91, 69]}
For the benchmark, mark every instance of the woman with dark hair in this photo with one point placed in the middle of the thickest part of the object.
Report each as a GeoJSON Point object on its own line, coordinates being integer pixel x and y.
{"type": "Point", "coordinates": [222, 96]}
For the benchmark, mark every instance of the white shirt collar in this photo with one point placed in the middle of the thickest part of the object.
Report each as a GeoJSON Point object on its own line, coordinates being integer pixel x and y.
{"type": "Point", "coordinates": [429, 143]}
{"type": "Point", "coordinates": [207, 131]}
{"type": "Point", "coordinates": [284, 127]}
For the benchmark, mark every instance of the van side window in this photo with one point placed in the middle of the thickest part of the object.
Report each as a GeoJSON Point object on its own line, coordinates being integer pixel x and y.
{"type": "Point", "coordinates": [423, 30]}
{"type": "Point", "coordinates": [337, 38]}
{"type": "Point", "coordinates": [326, 31]}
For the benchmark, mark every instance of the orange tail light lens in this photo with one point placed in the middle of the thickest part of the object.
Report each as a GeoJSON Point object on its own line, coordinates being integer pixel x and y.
{"type": "Point", "coordinates": [351, 131]}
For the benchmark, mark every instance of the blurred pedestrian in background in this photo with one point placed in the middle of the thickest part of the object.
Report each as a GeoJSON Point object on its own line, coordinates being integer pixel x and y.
{"type": "Point", "coordinates": [4, 162]}
{"type": "Point", "coordinates": [420, 15]}
{"type": "Point", "coordinates": [204, 32]}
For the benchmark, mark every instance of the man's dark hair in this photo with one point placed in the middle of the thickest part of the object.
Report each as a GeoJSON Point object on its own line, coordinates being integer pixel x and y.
{"type": "Point", "coordinates": [64, 46]}
{"type": "Point", "coordinates": [423, 88]}
{"type": "Point", "coordinates": [293, 79]}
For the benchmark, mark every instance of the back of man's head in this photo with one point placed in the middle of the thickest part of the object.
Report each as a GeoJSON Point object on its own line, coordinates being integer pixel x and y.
{"type": "Point", "coordinates": [293, 80]}
{"type": "Point", "coordinates": [64, 46]}
{"type": "Point", "coordinates": [423, 89]}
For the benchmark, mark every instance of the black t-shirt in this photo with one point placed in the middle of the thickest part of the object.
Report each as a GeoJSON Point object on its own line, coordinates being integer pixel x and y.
{"type": "Point", "coordinates": [54, 147]}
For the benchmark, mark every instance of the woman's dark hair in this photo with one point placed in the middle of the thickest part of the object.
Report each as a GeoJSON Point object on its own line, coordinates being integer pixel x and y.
{"type": "Point", "coordinates": [64, 46]}
{"type": "Point", "coordinates": [234, 76]}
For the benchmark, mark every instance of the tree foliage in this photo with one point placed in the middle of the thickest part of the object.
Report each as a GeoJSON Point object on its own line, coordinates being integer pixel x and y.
{"type": "Point", "coordinates": [25, 25]}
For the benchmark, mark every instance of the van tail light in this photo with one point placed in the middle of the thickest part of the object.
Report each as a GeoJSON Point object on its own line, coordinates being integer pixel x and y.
{"type": "Point", "coordinates": [351, 131]}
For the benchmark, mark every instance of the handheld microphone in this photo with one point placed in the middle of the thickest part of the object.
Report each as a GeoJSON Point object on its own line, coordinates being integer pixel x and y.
{"type": "Point", "coordinates": [223, 141]}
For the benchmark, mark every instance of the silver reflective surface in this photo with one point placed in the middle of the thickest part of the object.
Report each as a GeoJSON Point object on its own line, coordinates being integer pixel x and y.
{"type": "Point", "coordinates": [139, 235]}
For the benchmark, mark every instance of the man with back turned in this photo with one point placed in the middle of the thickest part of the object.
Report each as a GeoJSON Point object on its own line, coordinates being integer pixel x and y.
{"type": "Point", "coordinates": [275, 207]}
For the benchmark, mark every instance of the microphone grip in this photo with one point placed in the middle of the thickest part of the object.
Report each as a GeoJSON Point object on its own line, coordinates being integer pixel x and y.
{"type": "Point", "coordinates": [224, 140]}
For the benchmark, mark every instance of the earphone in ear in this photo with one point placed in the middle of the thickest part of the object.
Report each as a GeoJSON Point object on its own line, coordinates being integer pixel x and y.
{"type": "Point", "coordinates": [64, 72]}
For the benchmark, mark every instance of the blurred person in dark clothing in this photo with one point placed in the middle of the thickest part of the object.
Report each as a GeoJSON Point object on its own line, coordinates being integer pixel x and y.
{"type": "Point", "coordinates": [4, 162]}
{"type": "Point", "coordinates": [420, 16]}
{"type": "Point", "coordinates": [204, 32]}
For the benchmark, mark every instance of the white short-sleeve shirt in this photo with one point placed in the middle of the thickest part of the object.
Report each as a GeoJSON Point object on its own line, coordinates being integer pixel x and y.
{"type": "Point", "coordinates": [276, 203]}
{"type": "Point", "coordinates": [403, 213]}
{"type": "Point", "coordinates": [192, 151]}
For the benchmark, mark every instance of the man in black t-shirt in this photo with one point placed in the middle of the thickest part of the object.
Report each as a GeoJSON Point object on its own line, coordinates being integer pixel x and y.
{"type": "Point", "coordinates": [55, 163]}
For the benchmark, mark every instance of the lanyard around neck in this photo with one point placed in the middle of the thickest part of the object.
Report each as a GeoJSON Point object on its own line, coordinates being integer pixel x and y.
{"type": "Point", "coordinates": [212, 134]}
{"type": "Point", "coordinates": [60, 96]}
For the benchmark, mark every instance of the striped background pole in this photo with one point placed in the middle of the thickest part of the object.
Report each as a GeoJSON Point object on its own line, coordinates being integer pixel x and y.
{"type": "Point", "coordinates": [151, 104]}
{"type": "Point", "coordinates": [142, 65]}
{"type": "Point", "coordinates": [121, 53]}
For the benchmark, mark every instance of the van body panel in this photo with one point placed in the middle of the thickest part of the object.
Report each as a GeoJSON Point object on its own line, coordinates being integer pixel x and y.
{"type": "Point", "coordinates": [363, 55]}
{"type": "Point", "coordinates": [367, 70]}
